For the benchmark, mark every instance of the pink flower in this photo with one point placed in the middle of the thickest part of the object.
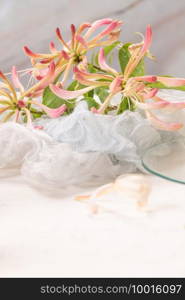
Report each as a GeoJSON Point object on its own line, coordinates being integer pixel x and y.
{"type": "Point", "coordinates": [74, 51]}
{"type": "Point", "coordinates": [51, 112]}
{"type": "Point", "coordinates": [138, 53]}
{"type": "Point", "coordinates": [16, 102]}
{"type": "Point", "coordinates": [64, 94]}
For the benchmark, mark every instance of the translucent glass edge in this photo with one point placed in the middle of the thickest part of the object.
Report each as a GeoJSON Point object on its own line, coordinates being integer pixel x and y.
{"type": "Point", "coordinates": [160, 175]}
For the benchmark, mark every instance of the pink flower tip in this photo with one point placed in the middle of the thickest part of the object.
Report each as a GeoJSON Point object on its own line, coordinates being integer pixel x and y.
{"type": "Point", "coordinates": [65, 55]}
{"type": "Point", "coordinates": [58, 33]}
{"type": "Point", "coordinates": [45, 61]}
{"type": "Point", "coordinates": [29, 52]}
{"type": "Point", "coordinates": [73, 29]}
{"type": "Point", "coordinates": [52, 45]}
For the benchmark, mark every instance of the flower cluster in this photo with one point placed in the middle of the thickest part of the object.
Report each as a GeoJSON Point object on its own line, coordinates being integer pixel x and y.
{"type": "Point", "coordinates": [65, 76]}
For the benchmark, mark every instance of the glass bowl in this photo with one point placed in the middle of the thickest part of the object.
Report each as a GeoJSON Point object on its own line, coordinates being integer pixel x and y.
{"type": "Point", "coordinates": [167, 160]}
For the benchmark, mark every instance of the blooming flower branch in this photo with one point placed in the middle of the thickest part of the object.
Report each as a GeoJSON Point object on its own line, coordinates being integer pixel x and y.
{"type": "Point", "coordinates": [63, 75]}
{"type": "Point", "coordinates": [73, 52]}
{"type": "Point", "coordinates": [17, 101]}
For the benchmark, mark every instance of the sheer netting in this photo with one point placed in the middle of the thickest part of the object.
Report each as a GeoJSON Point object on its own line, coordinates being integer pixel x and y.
{"type": "Point", "coordinates": [82, 148]}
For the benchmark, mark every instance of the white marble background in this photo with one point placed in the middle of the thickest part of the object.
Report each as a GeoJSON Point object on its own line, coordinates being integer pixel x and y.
{"type": "Point", "coordinates": [47, 236]}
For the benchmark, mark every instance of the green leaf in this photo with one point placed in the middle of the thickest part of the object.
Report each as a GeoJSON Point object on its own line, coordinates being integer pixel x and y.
{"type": "Point", "coordinates": [125, 104]}
{"type": "Point", "coordinates": [102, 93]}
{"type": "Point", "coordinates": [37, 115]}
{"type": "Point", "coordinates": [91, 102]}
{"type": "Point", "coordinates": [139, 70]}
{"type": "Point", "coordinates": [111, 47]}
{"type": "Point", "coordinates": [124, 56]}
{"type": "Point", "coordinates": [51, 100]}
{"type": "Point", "coordinates": [89, 94]}
{"type": "Point", "coordinates": [92, 68]}
{"type": "Point", "coordinates": [73, 86]}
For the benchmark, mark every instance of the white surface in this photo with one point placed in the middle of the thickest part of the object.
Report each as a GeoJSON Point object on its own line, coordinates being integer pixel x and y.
{"type": "Point", "coordinates": [48, 235]}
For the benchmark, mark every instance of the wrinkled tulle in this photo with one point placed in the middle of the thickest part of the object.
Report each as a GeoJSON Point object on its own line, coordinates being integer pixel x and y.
{"type": "Point", "coordinates": [16, 141]}
{"type": "Point", "coordinates": [44, 162]}
{"type": "Point", "coordinates": [82, 148]}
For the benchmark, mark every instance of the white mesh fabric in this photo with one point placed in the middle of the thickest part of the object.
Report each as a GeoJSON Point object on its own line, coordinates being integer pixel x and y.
{"type": "Point", "coordinates": [82, 148]}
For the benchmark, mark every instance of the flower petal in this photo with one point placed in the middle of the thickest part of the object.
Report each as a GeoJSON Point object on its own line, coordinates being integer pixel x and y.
{"type": "Point", "coordinates": [172, 106]}
{"type": "Point", "coordinates": [169, 81]}
{"type": "Point", "coordinates": [43, 83]}
{"type": "Point", "coordinates": [95, 25]}
{"type": "Point", "coordinates": [3, 109]}
{"type": "Point", "coordinates": [173, 126]}
{"type": "Point", "coordinates": [29, 119]}
{"type": "Point", "coordinates": [82, 27]}
{"type": "Point", "coordinates": [48, 78]}
{"type": "Point", "coordinates": [52, 47]}
{"type": "Point", "coordinates": [53, 112]}
{"type": "Point", "coordinates": [114, 25]}
{"type": "Point", "coordinates": [151, 105]}
{"type": "Point", "coordinates": [30, 53]}
{"type": "Point", "coordinates": [87, 82]}
{"type": "Point", "coordinates": [147, 40]}
{"type": "Point", "coordinates": [15, 79]}
{"type": "Point", "coordinates": [115, 85]}
{"type": "Point", "coordinates": [69, 94]}
{"type": "Point", "coordinates": [58, 33]}
{"type": "Point", "coordinates": [9, 86]}
{"type": "Point", "coordinates": [65, 55]}
{"type": "Point", "coordinates": [73, 31]}
{"type": "Point", "coordinates": [137, 56]}
{"type": "Point", "coordinates": [151, 78]}
{"type": "Point", "coordinates": [81, 40]}
{"type": "Point", "coordinates": [36, 55]}
{"type": "Point", "coordinates": [150, 94]}
{"type": "Point", "coordinates": [103, 64]}
{"type": "Point", "coordinates": [91, 75]}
